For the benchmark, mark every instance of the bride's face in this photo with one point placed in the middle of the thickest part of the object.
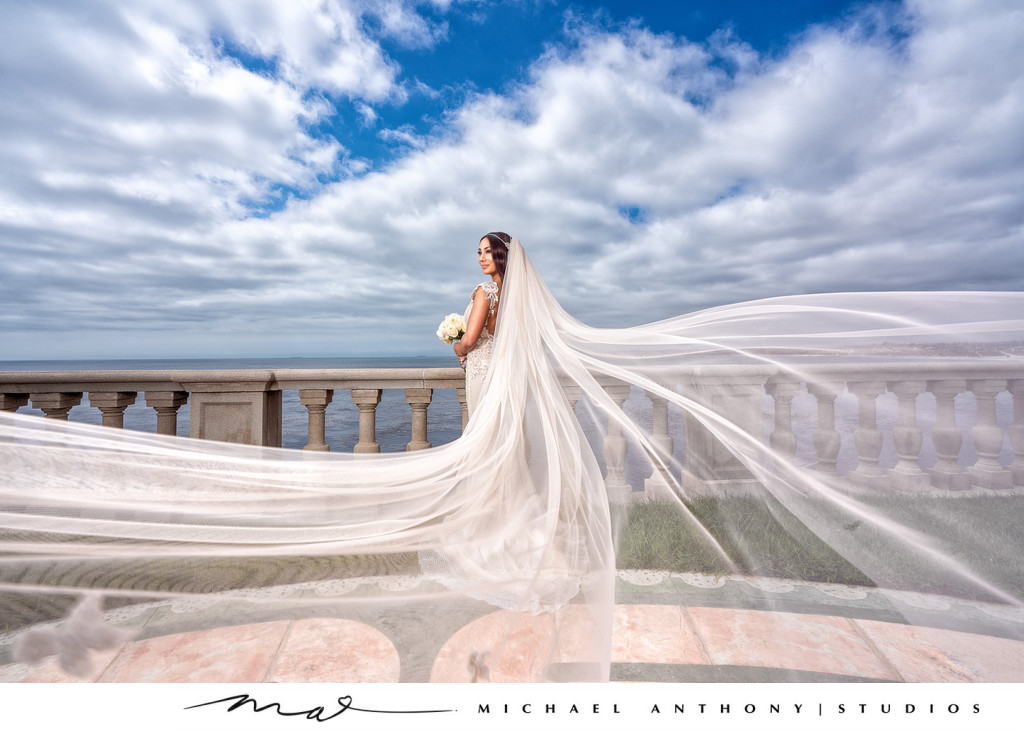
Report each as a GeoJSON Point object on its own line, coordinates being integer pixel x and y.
{"type": "Point", "coordinates": [484, 256]}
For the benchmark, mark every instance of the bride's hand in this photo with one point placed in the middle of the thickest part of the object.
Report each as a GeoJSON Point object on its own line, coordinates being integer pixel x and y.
{"type": "Point", "coordinates": [457, 348]}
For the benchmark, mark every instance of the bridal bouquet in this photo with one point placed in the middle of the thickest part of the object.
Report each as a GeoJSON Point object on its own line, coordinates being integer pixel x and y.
{"type": "Point", "coordinates": [452, 328]}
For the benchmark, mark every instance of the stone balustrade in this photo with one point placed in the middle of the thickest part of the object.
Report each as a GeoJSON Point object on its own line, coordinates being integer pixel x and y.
{"type": "Point", "coordinates": [236, 406]}
{"type": "Point", "coordinates": [964, 455]}
{"type": "Point", "coordinates": [968, 452]}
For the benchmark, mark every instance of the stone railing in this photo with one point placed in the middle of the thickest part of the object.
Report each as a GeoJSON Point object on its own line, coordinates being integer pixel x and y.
{"type": "Point", "coordinates": [964, 453]}
{"type": "Point", "coordinates": [237, 406]}
{"type": "Point", "coordinates": [967, 446]}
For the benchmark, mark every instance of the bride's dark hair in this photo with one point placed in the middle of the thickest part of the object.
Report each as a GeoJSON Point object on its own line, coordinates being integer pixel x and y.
{"type": "Point", "coordinates": [499, 242]}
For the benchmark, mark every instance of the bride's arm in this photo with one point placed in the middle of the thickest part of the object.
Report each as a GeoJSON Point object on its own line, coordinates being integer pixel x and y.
{"type": "Point", "coordinates": [475, 325]}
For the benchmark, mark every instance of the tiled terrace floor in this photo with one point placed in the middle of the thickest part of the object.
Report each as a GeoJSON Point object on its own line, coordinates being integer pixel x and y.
{"type": "Point", "coordinates": [658, 637]}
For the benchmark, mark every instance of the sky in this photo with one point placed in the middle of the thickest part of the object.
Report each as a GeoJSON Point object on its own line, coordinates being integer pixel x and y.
{"type": "Point", "coordinates": [215, 178]}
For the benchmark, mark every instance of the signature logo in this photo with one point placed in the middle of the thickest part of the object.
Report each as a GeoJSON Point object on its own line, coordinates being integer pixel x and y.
{"type": "Point", "coordinates": [318, 714]}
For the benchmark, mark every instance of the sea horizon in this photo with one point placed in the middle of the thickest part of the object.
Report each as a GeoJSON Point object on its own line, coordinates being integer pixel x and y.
{"type": "Point", "coordinates": [421, 361]}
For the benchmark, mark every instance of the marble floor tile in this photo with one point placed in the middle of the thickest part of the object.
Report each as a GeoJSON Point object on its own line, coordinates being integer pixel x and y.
{"type": "Point", "coordinates": [229, 654]}
{"type": "Point", "coordinates": [335, 650]}
{"type": "Point", "coordinates": [923, 654]}
{"type": "Point", "coordinates": [49, 669]}
{"type": "Point", "coordinates": [654, 635]}
{"type": "Point", "coordinates": [513, 647]}
{"type": "Point", "coordinates": [788, 641]}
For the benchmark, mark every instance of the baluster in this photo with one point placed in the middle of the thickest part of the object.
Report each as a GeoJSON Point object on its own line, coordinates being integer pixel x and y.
{"type": "Point", "coordinates": [55, 405]}
{"type": "Point", "coordinates": [827, 440]}
{"type": "Point", "coordinates": [166, 405]}
{"type": "Point", "coordinates": [783, 439]}
{"type": "Point", "coordinates": [660, 482]}
{"type": "Point", "coordinates": [573, 393]}
{"type": "Point", "coordinates": [907, 475]}
{"type": "Point", "coordinates": [367, 400]}
{"type": "Point", "coordinates": [987, 472]}
{"type": "Point", "coordinates": [460, 395]}
{"type": "Point", "coordinates": [316, 401]}
{"type": "Point", "coordinates": [112, 405]}
{"type": "Point", "coordinates": [1016, 387]}
{"type": "Point", "coordinates": [867, 437]}
{"type": "Point", "coordinates": [419, 400]}
{"type": "Point", "coordinates": [615, 450]}
{"type": "Point", "coordinates": [11, 402]}
{"type": "Point", "coordinates": [946, 474]}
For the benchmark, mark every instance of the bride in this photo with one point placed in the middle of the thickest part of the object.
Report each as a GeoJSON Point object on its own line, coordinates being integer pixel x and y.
{"type": "Point", "coordinates": [475, 347]}
{"type": "Point", "coordinates": [509, 540]}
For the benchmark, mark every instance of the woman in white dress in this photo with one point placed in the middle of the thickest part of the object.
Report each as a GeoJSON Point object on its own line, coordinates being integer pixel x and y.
{"type": "Point", "coordinates": [517, 513]}
{"type": "Point", "coordinates": [475, 348]}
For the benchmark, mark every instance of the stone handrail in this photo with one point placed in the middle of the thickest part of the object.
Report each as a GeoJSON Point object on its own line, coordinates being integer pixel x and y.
{"type": "Point", "coordinates": [245, 406]}
{"type": "Point", "coordinates": [235, 405]}
{"type": "Point", "coordinates": [740, 391]}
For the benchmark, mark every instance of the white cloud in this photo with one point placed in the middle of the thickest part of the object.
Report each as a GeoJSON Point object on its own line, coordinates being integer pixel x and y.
{"type": "Point", "coordinates": [404, 135]}
{"type": "Point", "coordinates": [646, 175]}
{"type": "Point", "coordinates": [312, 44]}
{"type": "Point", "coordinates": [367, 113]}
{"type": "Point", "coordinates": [399, 19]}
{"type": "Point", "coordinates": [122, 111]}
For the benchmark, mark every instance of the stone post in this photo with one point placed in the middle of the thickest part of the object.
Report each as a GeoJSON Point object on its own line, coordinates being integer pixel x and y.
{"type": "Point", "coordinates": [55, 405]}
{"type": "Point", "coordinates": [242, 407]}
{"type": "Point", "coordinates": [946, 474]}
{"type": "Point", "coordinates": [867, 437]}
{"type": "Point", "coordinates": [615, 450]}
{"type": "Point", "coordinates": [907, 475]}
{"type": "Point", "coordinates": [112, 405]}
{"type": "Point", "coordinates": [660, 482]}
{"type": "Point", "coordinates": [827, 440]}
{"type": "Point", "coordinates": [419, 400]}
{"type": "Point", "coordinates": [166, 405]}
{"type": "Point", "coordinates": [783, 439]}
{"type": "Point", "coordinates": [367, 400]}
{"type": "Point", "coordinates": [987, 472]}
{"type": "Point", "coordinates": [710, 468]}
{"type": "Point", "coordinates": [1016, 387]}
{"type": "Point", "coordinates": [316, 401]}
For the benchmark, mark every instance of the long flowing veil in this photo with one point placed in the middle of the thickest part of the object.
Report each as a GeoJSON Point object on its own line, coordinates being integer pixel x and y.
{"type": "Point", "coordinates": [847, 456]}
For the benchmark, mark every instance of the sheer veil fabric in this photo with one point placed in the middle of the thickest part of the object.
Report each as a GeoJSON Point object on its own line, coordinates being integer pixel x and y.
{"type": "Point", "coordinates": [496, 557]}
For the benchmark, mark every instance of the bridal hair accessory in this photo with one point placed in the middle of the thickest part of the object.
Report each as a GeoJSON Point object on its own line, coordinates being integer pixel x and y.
{"type": "Point", "coordinates": [497, 235]}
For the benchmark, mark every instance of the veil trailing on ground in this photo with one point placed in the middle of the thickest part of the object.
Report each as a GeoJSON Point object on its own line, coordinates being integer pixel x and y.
{"type": "Point", "coordinates": [842, 456]}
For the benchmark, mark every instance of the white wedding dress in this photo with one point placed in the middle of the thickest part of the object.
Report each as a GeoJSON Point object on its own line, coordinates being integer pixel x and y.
{"type": "Point", "coordinates": [516, 512]}
{"type": "Point", "coordinates": [478, 361]}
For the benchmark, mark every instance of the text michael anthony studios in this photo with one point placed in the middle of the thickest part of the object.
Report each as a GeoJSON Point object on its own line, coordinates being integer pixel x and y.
{"type": "Point", "coordinates": [867, 707]}
{"type": "Point", "coordinates": [725, 708]}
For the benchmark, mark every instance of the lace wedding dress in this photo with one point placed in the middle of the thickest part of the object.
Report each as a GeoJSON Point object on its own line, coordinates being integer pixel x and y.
{"type": "Point", "coordinates": [447, 548]}
{"type": "Point", "coordinates": [532, 570]}
{"type": "Point", "coordinates": [478, 361]}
